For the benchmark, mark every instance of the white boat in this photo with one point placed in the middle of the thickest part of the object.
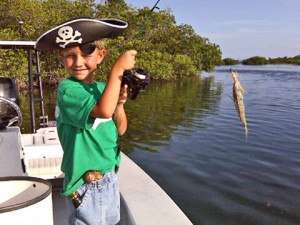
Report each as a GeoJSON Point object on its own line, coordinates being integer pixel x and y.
{"type": "Point", "coordinates": [30, 175]}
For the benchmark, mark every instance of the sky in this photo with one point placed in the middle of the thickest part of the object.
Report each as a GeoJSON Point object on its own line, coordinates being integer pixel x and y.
{"type": "Point", "coordinates": [242, 28]}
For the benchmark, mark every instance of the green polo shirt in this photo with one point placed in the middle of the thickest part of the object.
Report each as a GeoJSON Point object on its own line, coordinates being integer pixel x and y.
{"type": "Point", "coordinates": [88, 143]}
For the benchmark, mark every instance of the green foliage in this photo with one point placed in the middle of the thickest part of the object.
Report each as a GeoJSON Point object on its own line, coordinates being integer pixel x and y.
{"type": "Point", "coordinates": [168, 51]}
{"type": "Point", "coordinates": [230, 61]}
{"type": "Point", "coordinates": [15, 65]}
{"type": "Point", "coordinates": [256, 60]}
{"type": "Point", "coordinates": [184, 66]}
{"type": "Point", "coordinates": [210, 56]}
{"type": "Point", "coordinates": [157, 64]}
{"type": "Point", "coordinates": [286, 60]}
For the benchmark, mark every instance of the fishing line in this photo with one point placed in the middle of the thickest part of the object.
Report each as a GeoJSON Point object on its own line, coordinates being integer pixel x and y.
{"type": "Point", "coordinates": [144, 21]}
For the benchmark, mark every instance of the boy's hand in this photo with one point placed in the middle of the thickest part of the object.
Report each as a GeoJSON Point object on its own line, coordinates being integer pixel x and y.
{"type": "Point", "coordinates": [123, 94]}
{"type": "Point", "coordinates": [125, 61]}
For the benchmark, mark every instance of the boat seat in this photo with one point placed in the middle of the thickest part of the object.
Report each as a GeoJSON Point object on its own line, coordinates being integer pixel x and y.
{"type": "Point", "coordinates": [43, 153]}
{"type": "Point", "coordinates": [44, 167]}
{"type": "Point", "coordinates": [43, 161]}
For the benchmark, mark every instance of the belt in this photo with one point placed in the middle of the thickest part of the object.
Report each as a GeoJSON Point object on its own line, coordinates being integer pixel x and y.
{"type": "Point", "coordinates": [89, 177]}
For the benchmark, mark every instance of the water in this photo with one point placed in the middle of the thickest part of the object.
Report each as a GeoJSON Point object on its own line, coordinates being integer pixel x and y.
{"type": "Point", "coordinates": [187, 136]}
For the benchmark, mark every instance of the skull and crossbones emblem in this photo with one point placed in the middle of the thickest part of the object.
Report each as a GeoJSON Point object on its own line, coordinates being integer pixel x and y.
{"type": "Point", "coordinates": [66, 36]}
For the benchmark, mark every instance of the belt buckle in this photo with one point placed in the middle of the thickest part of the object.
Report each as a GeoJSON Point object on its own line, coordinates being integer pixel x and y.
{"type": "Point", "coordinates": [92, 176]}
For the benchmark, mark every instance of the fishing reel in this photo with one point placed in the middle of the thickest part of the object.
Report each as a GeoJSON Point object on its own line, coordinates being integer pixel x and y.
{"type": "Point", "coordinates": [136, 80]}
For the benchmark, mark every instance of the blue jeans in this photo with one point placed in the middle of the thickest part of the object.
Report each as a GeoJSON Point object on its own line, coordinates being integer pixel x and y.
{"type": "Point", "coordinates": [100, 203]}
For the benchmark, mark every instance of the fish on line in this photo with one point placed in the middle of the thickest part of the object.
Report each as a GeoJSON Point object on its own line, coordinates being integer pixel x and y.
{"type": "Point", "coordinates": [238, 98]}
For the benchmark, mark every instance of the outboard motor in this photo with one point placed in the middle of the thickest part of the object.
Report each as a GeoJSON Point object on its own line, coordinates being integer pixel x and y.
{"type": "Point", "coordinates": [10, 113]}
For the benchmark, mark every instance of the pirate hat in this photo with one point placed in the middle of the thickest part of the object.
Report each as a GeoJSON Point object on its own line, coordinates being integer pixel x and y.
{"type": "Point", "coordinates": [79, 31]}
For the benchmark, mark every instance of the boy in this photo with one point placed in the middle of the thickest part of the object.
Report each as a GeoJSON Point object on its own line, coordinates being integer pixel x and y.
{"type": "Point", "coordinates": [90, 117]}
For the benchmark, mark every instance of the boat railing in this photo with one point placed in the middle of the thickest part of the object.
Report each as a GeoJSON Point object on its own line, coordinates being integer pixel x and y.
{"type": "Point", "coordinates": [34, 79]}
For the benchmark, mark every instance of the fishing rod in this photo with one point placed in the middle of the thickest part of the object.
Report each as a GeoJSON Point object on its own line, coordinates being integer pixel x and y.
{"type": "Point", "coordinates": [155, 6]}
{"type": "Point", "coordinates": [138, 80]}
{"type": "Point", "coordinates": [142, 28]}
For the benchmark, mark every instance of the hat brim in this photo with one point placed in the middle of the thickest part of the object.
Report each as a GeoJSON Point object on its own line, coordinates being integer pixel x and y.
{"type": "Point", "coordinates": [79, 31]}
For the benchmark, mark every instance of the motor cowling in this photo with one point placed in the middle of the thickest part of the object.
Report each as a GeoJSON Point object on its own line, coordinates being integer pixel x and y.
{"type": "Point", "coordinates": [9, 103]}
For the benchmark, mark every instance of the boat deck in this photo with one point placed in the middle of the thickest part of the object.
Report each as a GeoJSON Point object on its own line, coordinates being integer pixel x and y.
{"type": "Point", "coordinates": [142, 199]}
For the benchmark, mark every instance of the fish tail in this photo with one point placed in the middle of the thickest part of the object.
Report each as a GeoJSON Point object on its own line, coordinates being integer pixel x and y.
{"type": "Point", "coordinates": [246, 132]}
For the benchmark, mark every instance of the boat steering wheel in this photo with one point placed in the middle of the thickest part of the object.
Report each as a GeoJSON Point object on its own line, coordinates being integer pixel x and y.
{"type": "Point", "coordinates": [9, 120]}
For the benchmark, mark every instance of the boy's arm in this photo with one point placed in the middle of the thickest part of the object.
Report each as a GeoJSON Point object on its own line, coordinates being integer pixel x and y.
{"type": "Point", "coordinates": [119, 114]}
{"type": "Point", "coordinates": [107, 104]}
{"type": "Point", "coordinates": [120, 119]}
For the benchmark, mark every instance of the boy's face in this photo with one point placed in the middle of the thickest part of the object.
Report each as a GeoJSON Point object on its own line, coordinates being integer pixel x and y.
{"type": "Point", "coordinates": [80, 65]}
